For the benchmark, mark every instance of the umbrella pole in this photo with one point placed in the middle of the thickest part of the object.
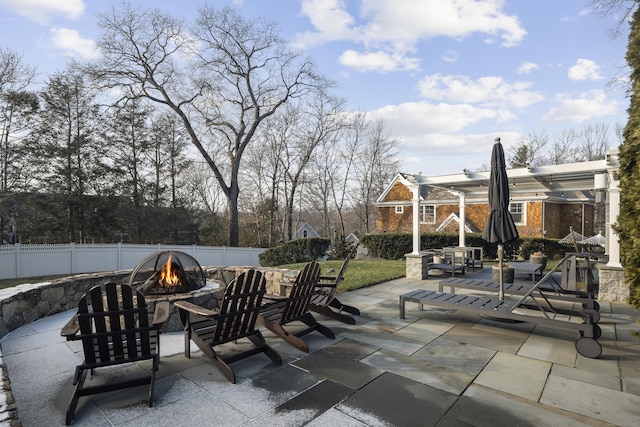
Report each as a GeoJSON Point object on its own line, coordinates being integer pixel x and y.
{"type": "Point", "coordinates": [500, 267]}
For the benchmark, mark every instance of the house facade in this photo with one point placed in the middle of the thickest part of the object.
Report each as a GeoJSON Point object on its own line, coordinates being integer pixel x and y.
{"type": "Point", "coordinates": [546, 214]}
{"type": "Point", "coordinates": [545, 201]}
{"type": "Point", "coordinates": [305, 230]}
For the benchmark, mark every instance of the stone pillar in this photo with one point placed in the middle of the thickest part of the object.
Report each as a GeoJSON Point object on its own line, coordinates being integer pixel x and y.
{"type": "Point", "coordinates": [417, 266]}
{"type": "Point", "coordinates": [612, 286]}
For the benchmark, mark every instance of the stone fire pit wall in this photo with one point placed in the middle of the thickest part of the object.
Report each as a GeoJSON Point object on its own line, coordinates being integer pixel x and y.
{"type": "Point", "coordinates": [26, 303]}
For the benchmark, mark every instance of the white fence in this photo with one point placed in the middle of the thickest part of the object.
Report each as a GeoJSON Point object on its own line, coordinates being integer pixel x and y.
{"type": "Point", "coordinates": [18, 261]}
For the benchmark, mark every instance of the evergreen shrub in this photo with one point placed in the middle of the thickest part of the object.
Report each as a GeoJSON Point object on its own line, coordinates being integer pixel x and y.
{"type": "Point", "coordinates": [295, 251]}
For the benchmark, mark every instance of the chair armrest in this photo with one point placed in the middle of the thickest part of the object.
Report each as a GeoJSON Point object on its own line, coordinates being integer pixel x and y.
{"type": "Point", "coordinates": [328, 278]}
{"type": "Point", "coordinates": [325, 285]}
{"type": "Point", "coordinates": [271, 298]}
{"type": "Point", "coordinates": [71, 328]}
{"type": "Point", "coordinates": [195, 309]}
{"type": "Point", "coordinates": [161, 313]}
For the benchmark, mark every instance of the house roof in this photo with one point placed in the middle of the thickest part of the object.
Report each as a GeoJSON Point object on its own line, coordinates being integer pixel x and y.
{"type": "Point", "coordinates": [565, 182]}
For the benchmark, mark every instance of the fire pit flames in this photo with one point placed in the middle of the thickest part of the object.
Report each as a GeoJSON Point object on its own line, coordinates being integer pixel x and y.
{"type": "Point", "coordinates": [167, 272]}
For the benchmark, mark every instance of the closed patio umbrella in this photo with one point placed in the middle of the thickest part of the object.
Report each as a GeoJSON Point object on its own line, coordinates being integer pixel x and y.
{"type": "Point", "coordinates": [500, 227]}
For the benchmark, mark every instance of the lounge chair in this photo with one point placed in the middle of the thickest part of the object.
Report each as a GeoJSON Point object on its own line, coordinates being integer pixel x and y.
{"type": "Point", "coordinates": [325, 301]}
{"type": "Point", "coordinates": [533, 306]}
{"type": "Point", "coordinates": [280, 310]}
{"type": "Point", "coordinates": [113, 324]}
{"type": "Point", "coordinates": [236, 319]}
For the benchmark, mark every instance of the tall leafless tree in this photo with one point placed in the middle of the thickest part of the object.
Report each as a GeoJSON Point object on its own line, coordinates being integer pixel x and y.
{"type": "Point", "coordinates": [563, 148]}
{"type": "Point", "coordinates": [593, 143]}
{"type": "Point", "coordinates": [320, 120]}
{"type": "Point", "coordinates": [222, 78]}
{"type": "Point", "coordinates": [17, 105]}
{"type": "Point", "coordinates": [376, 165]}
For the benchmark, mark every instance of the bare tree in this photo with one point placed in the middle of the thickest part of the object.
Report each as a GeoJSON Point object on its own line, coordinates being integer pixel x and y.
{"type": "Point", "coordinates": [15, 75]}
{"type": "Point", "coordinates": [263, 173]}
{"type": "Point", "coordinates": [373, 170]}
{"type": "Point", "coordinates": [334, 166]}
{"type": "Point", "coordinates": [17, 106]}
{"type": "Point", "coordinates": [563, 149]}
{"type": "Point", "coordinates": [320, 119]}
{"type": "Point", "coordinates": [223, 79]}
{"type": "Point", "coordinates": [528, 150]}
{"type": "Point", "coordinates": [593, 142]}
{"type": "Point", "coordinates": [622, 9]}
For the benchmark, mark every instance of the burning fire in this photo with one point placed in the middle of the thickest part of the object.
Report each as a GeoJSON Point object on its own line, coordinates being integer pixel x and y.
{"type": "Point", "coordinates": [168, 275]}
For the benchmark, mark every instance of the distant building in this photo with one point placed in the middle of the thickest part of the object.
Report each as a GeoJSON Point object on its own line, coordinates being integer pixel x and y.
{"type": "Point", "coordinates": [305, 230]}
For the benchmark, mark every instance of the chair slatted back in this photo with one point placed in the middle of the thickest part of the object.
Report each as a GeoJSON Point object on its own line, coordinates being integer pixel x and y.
{"type": "Point", "coordinates": [240, 306]}
{"type": "Point", "coordinates": [343, 269]}
{"type": "Point", "coordinates": [302, 291]}
{"type": "Point", "coordinates": [114, 325]}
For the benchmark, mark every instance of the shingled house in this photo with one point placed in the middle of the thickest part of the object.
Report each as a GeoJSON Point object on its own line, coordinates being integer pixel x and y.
{"type": "Point", "coordinates": [545, 200]}
{"type": "Point", "coordinates": [536, 213]}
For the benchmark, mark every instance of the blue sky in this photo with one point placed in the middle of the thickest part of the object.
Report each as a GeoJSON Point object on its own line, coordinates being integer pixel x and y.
{"type": "Point", "coordinates": [446, 76]}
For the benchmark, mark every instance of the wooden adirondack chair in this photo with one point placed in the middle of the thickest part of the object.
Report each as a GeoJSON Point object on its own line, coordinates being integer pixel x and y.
{"type": "Point", "coordinates": [325, 301]}
{"type": "Point", "coordinates": [236, 319]}
{"type": "Point", "coordinates": [280, 311]}
{"type": "Point", "coordinates": [113, 324]}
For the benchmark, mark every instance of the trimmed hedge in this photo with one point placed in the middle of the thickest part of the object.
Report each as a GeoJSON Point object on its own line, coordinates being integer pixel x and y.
{"type": "Point", "coordinates": [396, 245]}
{"type": "Point", "coordinates": [295, 251]}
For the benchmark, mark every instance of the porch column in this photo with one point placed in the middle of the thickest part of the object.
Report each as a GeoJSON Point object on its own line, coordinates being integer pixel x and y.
{"type": "Point", "coordinates": [415, 190]}
{"type": "Point", "coordinates": [463, 221]}
{"type": "Point", "coordinates": [613, 208]}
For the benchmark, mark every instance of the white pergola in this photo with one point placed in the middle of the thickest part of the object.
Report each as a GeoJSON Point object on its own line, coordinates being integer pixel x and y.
{"type": "Point", "coordinates": [597, 176]}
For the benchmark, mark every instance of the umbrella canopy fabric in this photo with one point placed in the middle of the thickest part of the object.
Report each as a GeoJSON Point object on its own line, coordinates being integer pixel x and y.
{"type": "Point", "coordinates": [500, 227]}
{"type": "Point", "coordinates": [568, 241]}
{"type": "Point", "coordinates": [597, 240]}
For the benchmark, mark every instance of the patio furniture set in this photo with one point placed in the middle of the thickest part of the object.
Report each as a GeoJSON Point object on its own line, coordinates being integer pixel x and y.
{"type": "Point", "coordinates": [113, 326]}
{"type": "Point", "coordinates": [532, 303]}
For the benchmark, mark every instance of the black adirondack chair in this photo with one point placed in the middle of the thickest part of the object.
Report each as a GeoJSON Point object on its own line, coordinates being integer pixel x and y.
{"type": "Point", "coordinates": [113, 325]}
{"type": "Point", "coordinates": [236, 319]}
{"type": "Point", "coordinates": [325, 301]}
{"type": "Point", "coordinates": [280, 311]}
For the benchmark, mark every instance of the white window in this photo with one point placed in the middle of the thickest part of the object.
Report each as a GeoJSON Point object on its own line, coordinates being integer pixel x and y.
{"type": "Point", "coordinates": [428, 214]}
{"type": "Point", "coordinates": [518, 213]}
{"type": "Point", "coordinates": [305, 233]}
{"type": "Point", "coordinates": [399, 209]}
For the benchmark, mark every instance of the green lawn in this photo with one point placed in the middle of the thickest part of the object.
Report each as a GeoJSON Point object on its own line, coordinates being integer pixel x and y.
{"type": "Point", "coordinates": [360, 272]}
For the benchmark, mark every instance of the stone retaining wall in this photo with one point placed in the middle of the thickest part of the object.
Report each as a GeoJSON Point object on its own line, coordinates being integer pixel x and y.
{"type": "Point", "coordinates": [26, 303]}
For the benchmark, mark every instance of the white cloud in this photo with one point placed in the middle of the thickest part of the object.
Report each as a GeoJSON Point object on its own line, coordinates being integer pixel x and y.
{"type": "Point", "coordinates": [398, 25]}
{"type": "Point", "coordinates": [452, 152]}
{"type": "Point", "coordinates": [485, 91]}
{"type": "Point", "coordinates": [377, 61]}
{"type": "Point", "coordinates": [590, 105]}
{"type": "Point", "coordinates": [585, 69]}
{"type": "Point", "coordinates": [41, 11]}
{"type": "Point", "coordinates": [417, 119]}
{"type": "Point", "coordinates": [450, 56]}
{"type": "Point", "coordinates": [73, 44]}
{"type": "Point", "coordinates": [331, 20]}
{"type": "Point", "coordinates": [526, 67]}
